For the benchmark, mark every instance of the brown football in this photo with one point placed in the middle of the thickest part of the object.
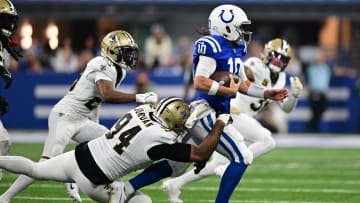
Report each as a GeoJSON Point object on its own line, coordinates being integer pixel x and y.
{"type": "Point", "coordinates": [222, 77]}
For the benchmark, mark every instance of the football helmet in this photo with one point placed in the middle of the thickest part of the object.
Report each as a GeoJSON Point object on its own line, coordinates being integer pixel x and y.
{"type": "Point", "coordinates": [173, 112]}
{"type": "Point", "coordinates": [8, 18]}
{"type": "Point", "coordinates": [120, 48]}
{"type": "Point", "coordinates": [229, 21]}
{"type": "Point", "coordinates": [277, 54]}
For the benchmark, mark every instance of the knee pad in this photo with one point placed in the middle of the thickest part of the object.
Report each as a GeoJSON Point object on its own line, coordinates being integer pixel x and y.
{"type": "Point", "coordinates": [178, 168]}
{"type": "Point", "coordinates": [140, 197]}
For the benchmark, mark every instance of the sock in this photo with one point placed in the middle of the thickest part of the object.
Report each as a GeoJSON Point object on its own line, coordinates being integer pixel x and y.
{"type": "Point", "coordinates": [19, 185]}
{"type": "Point", "coordinates": [151, 175]}
{"type": "Point", "coordinates": [229, 181]}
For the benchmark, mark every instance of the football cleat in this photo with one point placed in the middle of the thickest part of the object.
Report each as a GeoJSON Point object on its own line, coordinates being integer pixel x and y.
{"type": "Point", "coordinates": [117, 192]}
{"type": "Point", "coordinates": [73, 191]}
{"type": "Point", "coordinates": [172, 191]}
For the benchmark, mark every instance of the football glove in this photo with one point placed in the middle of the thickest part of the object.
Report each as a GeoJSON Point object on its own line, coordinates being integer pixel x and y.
{"type": "Point", "coordinates": [199, 166]}
{"type": "Point", "coordinates": [296, 86]}
{"type": "Point", "coordinates": [226, 118]}
{"type": "Point", "coordinates": [149, 97]}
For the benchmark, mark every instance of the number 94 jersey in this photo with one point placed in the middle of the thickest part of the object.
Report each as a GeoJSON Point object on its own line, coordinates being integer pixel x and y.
{"type": "Point", "coordinates": [261, 76]}
{"type": "Point", "coordinates": [124, 148]}
{"type": "Point", "coordinates": [83, 96]}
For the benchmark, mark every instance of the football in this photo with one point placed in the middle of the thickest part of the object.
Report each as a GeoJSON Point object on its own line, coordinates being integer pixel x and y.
{"type": "Point", "coordinates": [222, 77]}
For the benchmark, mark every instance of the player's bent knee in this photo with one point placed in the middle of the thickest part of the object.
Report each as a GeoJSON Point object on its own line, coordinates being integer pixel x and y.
{"type": "Point", "coordinates": [140, 197]}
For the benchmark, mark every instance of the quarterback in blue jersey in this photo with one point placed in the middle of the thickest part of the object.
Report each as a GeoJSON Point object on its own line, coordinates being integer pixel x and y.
{"type": "Point", "coordinates": [228, 58]}
{"type": "Point", "coordinates": [222, 49]}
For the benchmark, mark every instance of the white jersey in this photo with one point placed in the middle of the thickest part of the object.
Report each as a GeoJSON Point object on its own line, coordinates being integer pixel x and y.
{"type": "Point", "coordinates": [124, 148]}
{"type": "Point", "coordinates": [83, 97]}
{"type": "Point", "coordinates": [261, 74]}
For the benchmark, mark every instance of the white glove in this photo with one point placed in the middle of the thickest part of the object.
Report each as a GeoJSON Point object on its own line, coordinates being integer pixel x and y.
{"type": "Point", "coordinates": [226, 118]}
{"type": "Point", "coordinates": [296, 86]}
{"type": "Point", "coordinates": [149, 97]}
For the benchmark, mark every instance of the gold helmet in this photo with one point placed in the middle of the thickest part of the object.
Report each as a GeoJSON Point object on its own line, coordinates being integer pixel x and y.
{"type": "Point", "coordinates": [8, 18]}
{"type": "Point", "coordinates": [174, 112]}
{"type": "Point", "coordinates": [120, 48]}
{"type": "Point", "coordinates": [277, 54]}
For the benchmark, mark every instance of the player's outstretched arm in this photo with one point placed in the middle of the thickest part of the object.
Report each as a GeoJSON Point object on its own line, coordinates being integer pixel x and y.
{"type": "Point", "coordinates": [110, 95]}
{"type": "Point", "coordinates": [276, 94]}
{"type": "Point", "coordinates": [208, 145]}
{"type": "Point", "coordinates": [189, 153]}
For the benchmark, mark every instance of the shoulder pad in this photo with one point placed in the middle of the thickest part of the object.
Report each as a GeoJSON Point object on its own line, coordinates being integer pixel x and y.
{"type": "Point", "coordinates": [207, 45]}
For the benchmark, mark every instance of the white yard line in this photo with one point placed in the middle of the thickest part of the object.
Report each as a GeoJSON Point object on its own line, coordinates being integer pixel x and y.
{"type": "Point", "coordinates": [164, 200]}
{"type": "Point", "coordinates": [248, 189]}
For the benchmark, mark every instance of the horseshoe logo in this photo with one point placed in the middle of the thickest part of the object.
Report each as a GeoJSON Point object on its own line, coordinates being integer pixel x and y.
{"type": "Point", "coordinates": [222, 17]}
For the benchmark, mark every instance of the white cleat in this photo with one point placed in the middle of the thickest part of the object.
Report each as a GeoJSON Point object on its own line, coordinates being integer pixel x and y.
{"type": "Point", "coordinates": [117, 192]}
{"type": "Point", "coordinates": [173, 192]}
{"type": "Point", "coordinates": [73, 191]}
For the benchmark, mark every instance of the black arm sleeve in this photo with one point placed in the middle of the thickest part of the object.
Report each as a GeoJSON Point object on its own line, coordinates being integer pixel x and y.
{"type": "Point", "coordinates": [176, 152]}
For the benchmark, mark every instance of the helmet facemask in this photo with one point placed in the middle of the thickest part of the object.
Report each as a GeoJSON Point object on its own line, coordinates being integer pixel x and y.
{"type": "Point", "coordinates": [120, 48]}
{"type": "Point", "coordinates": [277, 62]}
{"type": "Point", "coordinates": [126, 57]}
{"type": "Point", "coordinates": [277, 55]}
{"type": "Point", "coordinates": [8, 24]}
{"type": "Point", "coordinates": [244, 34]}
{"type": "Point", "coordinates": [8, 18]}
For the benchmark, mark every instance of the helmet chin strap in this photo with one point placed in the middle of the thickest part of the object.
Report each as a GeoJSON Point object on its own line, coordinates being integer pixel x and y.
{"type": "Point", "coordinates": [274, 68]}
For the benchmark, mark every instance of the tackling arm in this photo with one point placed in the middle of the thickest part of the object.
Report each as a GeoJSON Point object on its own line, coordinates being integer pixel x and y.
{"type": "Point", "coordinates": [190, 153]}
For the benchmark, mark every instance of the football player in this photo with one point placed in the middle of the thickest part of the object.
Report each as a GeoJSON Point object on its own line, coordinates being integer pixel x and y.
{"type": "Point", "coordinates": [75, 116]}
{"type": "Point", "coordinates": [267, 71]}
{"type": "Point", "coordinates": [221, 49]}
{"type": "Point", "coordinates": [8, 25]}
{"type": "Point", "coordinates": [142, 136]}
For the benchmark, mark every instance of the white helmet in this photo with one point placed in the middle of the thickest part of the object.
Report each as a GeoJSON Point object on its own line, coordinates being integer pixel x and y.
{"type": "Point", "coordinates": [227, 21]}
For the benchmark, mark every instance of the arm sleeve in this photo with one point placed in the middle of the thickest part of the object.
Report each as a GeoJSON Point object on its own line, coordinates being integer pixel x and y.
{"type": "Point", "coordinates": [288, 105]}
{"type": "Point", "coordinates": [205, 67]}
{"type": "Point", "coordinates": [176, 152]}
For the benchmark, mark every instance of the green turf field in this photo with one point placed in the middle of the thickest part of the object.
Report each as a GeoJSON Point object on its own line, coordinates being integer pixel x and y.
{"type": "Point", "coordinates": [308, 175]}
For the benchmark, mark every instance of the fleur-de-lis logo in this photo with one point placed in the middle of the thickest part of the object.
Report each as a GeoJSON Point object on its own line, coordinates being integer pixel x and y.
{"type": "Point", "coordinates": [265, 82]}
{"type": "Point", "coordinates": [114, 38]}
{"type": "Point", "coordinates": [222, 16]}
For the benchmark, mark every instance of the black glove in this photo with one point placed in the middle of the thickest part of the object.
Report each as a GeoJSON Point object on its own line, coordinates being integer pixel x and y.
{"type": "Point", "coordinates": [199, 166]}
{"type": "Point", "coordinates": [6, 75]}
{"type": "Point", "coordinates": [4, 106]}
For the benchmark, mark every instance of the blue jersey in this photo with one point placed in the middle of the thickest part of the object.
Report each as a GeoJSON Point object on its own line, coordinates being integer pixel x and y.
{"type": "Point", "coordinates": [229, 57]}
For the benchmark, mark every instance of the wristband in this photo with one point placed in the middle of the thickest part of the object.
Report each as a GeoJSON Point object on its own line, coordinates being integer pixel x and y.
{"type": "Point", "coordinates": [214, 88]}
{"type": "Point", "coordinates": [255, 91]}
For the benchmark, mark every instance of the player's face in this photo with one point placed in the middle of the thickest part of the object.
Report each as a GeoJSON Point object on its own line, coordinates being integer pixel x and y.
{"type": "Point", "coordinates": [279, 60]}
